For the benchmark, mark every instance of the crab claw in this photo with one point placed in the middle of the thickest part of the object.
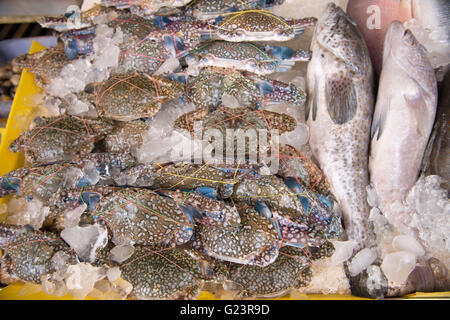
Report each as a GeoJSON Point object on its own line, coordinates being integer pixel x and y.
{"type": "Point", "coordinates": [175, 45]}
{"type": "Point", "coordinates": [276, 91]}
{"type": "Point", "coordinates": [263, 209]}
{"type": "Point", "coordinates": [179, 77]}
{"type": "Point", "coordinates": [207, 192]}
{"type": "Point", "coordinates": [9, 186]}
{"type": "Point", "coordinates": [91, 199]}
{"type": "Point", "coordinates": [300, 25]}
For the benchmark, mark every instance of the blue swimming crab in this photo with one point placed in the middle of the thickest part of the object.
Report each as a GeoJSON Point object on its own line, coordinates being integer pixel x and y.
{"type": "Point", "coordinates": [145, 8]}
{"type": "Point", "coordinates": [235, 118]}
{"type": "Point", "coordinates": [295, 164]}
{"type": "Point", "coordinates": [44, 181]}
{"type": "Point", "coordinates": [209, 87]}
{"type": "Point", "coordinates": [135, 216]}
{"type": "Point", "coordinates": [61, 138]}
{"type": "Point", "coordinates": [244, 56]}
{"type": "Point", "coordinates": [291, 205]}
{"type": "Point", "coordinates": [45, 65]}
{"type": "Point", "coordinates": [211, 9]}
{"type": "Point", "coordinates": [255, 25]}
{"type": "Point", "coordinates": [170, 273]}
{"type": "Point", "coordinates": [252, 242]}
{"type": "Point", "coordinates": [126, 137]}
{"type": "Point", "coordinates": [291, 270]}
{"type": "Point", "coordinates": [28, 253]}
{"type": "Point", "coordinates": [75, 19]}
{"type": "Point", "coordinates": [130, 96]}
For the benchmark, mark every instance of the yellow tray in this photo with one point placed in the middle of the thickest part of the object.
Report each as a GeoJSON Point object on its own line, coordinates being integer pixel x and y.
{"type": "Point", "coordinates": [20, 117]}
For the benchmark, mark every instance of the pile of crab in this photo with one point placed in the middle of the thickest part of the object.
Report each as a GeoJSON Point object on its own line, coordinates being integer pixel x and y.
{"type": "Point", "coordinates": [168, 228]}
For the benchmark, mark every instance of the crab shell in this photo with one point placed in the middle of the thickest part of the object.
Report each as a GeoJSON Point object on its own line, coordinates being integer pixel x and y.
{"type": "Point", "coordinates": [207, 210]}
{"type": "Point", "coordinates": [78, 172]}
{"type": "Point", "coordinates": [45, 65]}
{"type": "Point", "coordinates": [132, 96]}
{"type": "Point", "coordinates": [211, 9]}
{"type": "Point", "coordinates": [28, 253]}
{"type": "Point", "coordinates": [257, 25]}
{"type": "Point", "coordinates": [168, 273]}
{"type": "Point", "coordinates": [138, 216]}
{"type": "Point", "coordinates": [290, 270]}
{"type": "Point", "coordinates": [235, 118]}
{"type": "Point", "coordinates": [145, 8]}
{"type": "Point", "coordinates": [61, 138]}
{"type": "Point", "coordinates": [253, 242]}
{"type": "Point", "coordinates": [243, 56]}
{"type": "Point", "coordinates": [126, 137]}
{"type": "Point", "coordinates": [74, 19]}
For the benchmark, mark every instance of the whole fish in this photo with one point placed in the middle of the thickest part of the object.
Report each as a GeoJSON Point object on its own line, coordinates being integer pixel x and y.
{"type": "Point", "coordinates": [339, 111]}
{"type": "Point", "coordinates": [403, 119]}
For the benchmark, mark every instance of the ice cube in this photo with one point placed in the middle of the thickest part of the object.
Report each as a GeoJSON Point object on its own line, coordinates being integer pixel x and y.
{"type": "Point", "coordinates": [72, 217]}
{"type": "Point", "coordinates": [170, 65]}
{"type": "Point", "coordinates": [21, 212]}
{"type": "Point", "coordinates": [398, 265]}
{"type": "Point", "coordinates": [408, 243]}
{"type": "Point", "coordinates": [86, 240]}
{"type": "Point", "coordinates": [361, 261]}
{"type": "Point", "coordinates": [121, 253]}
{"type": "Point", "coordinates": [80, 279]}
{"type": "Point", "coordinates": [343, 251]}
{"type": "Point", "coordinates": [113, 274]}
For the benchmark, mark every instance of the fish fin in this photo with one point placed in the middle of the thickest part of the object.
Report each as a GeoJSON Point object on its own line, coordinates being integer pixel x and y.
{"type": "Point", "coordinates": [341, 99]}
{"type": "Point", "coordinates": [379, 118]}
{"type": "Point", "coordinates": [312, 103]}
{"type": "Point", "coordinates": [417, 104]}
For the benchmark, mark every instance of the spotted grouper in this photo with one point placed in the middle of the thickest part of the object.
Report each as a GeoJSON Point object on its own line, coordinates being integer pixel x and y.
{"type": "Point", "coordinates": [403, 119]}
{"type": "Point", "coordinates": [339, 112]}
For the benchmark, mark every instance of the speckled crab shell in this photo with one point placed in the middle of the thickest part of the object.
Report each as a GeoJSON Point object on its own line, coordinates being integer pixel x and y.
{"type": "Point", "coordinates": [244, 56]}
{"type": "Point", "coordinates": [61, 138]}
{"type": "Point", "coordinates": [126, 137]}
{"type": "Point", "coordinates": [295, 164]}
{"type": "Point", "coordinates": [253, 242]}
{"type": "Point", "coordinates": [132, 96]}
{"type": "Point", "coordinates": [290, 270]}
{"type": "Point", "coordinates": [75, 19]}
{"type": "Point", "coordinates": [207, 211]}
{"type": "Point", "coordinates": [139, 51]}
{"type": "Point", "coordinates": [44, 181]}
{"type": "Point", "coordinates": [145, 8]}
{"type": "Point", "coordinates": [235, 118]}
{"type": "Point", "coordinates": [45, 65]}
{"type": "Point", "coordinates": [257, 25]}
{"type": "Point", "coordinates": [28, 253]}
{"type": "Point", "coordinates": [168, 273]}
{"type": "Point", "coordinates": [209, 88]}
{"type": "Point", "coordinates": [211, 9]}
{"type": "Point", "coordinates": [138, 216]}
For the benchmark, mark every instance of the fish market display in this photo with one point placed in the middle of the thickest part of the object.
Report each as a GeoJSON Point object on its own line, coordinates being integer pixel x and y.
{"type": "Point", "coordinates": [171, 157]}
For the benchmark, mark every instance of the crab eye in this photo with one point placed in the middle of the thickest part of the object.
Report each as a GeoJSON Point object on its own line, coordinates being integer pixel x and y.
{"type": "Point", "coordinates": [240, 34]}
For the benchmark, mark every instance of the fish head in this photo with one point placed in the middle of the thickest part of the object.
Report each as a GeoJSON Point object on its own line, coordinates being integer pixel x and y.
{"type": "Point", "coordinates": [338, 35]}
{"type": "Point", "coordinates": [411, 56]}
